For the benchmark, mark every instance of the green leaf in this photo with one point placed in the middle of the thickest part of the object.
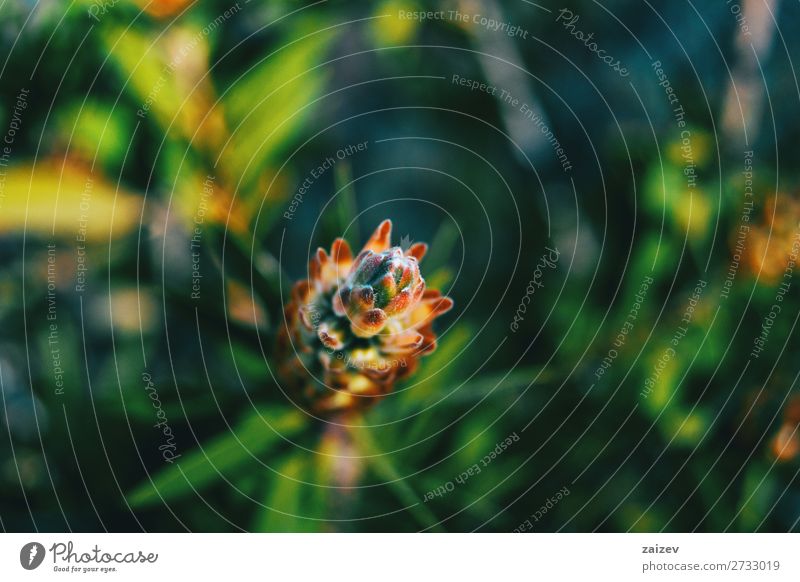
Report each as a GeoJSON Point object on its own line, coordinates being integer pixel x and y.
{"type": "Point", "coordinates": [437, 368]}
{"type": "Point", "coordinates": [441, 248]}
{"type": "Point", "coordinates": [340, 217]}
{"type": "Point", "coordinates": [289, 498]}
{"type": "Point", "coordinates": [500, 384]}
{"type": "Point", "coordinates": [440, 278]}
{"type": "Point", "coordinates": [381, 463]}
{"type": "Point", "coordinates": [271, 103]}
{"type": "Point", "coordinates": [253, 436]}
{"type": "Point", "coordinates": [758, 493]}
{"type": "Point", "coordinates": [95, 132]}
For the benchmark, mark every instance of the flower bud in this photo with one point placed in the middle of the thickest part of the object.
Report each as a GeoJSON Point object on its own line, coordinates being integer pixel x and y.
{"type": "Point", "coordinates": [356, 326]}
{"type": "Point", "coordinates": [379, 286]}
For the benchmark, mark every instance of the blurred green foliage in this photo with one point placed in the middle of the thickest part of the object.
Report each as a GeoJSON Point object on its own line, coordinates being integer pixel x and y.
{"type": "Point", "coordinates": [131, 116]}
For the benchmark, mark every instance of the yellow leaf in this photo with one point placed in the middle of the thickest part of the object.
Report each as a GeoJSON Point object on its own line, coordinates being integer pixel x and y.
{"type": "Point", "coordinates": [51, 199]}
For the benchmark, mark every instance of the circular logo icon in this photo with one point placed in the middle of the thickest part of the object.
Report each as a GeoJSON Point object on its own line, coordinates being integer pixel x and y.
{"type": "Point", "coordinates": [31, 555]}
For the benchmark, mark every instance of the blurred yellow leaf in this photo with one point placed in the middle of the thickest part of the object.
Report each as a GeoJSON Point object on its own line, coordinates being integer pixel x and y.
{"type": "Point", "coordinates": [390, 28]}
{"type": "Point", "coordinates": [694, 213]}
{"type": "Point", "coordinates": [684, 428]}
{"type": "Point", "coordinates": [169, 77]}
{"type": "Point", "coordinates": [67, 200]}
